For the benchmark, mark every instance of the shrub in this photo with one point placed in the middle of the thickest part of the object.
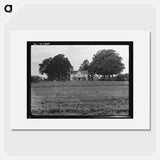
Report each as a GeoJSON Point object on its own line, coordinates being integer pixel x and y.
{"type": "Point", "coordinates": [35, 79]}
{"type": "Point", "coordinates": [122, 77]}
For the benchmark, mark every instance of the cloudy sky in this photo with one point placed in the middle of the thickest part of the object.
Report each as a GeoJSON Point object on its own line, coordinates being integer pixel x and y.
{"type": "Point", "coordinates": [75, 53]}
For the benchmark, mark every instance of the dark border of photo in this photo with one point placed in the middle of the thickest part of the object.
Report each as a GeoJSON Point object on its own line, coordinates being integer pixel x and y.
{"type": "Point", "coordinates": [30, 43]}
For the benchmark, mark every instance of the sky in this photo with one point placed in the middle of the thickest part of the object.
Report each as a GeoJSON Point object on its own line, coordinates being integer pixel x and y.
{"type": "Point", "coordinates": [75, 53]}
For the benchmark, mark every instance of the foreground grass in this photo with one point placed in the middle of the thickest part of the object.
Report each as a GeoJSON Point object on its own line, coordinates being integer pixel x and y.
{"type": "Point", "coordinates": [80, 98]}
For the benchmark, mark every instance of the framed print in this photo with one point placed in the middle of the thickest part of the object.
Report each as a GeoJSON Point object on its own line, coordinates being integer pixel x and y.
{"type": "Point", "coordinates": [81, 80]}
{"type": "Point", "coordinates": [87, 92]}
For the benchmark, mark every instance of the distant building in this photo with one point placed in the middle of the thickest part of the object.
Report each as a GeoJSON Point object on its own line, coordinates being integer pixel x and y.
{"type": "Point", "coordinates": [96, 77]}
{"type": "Point", "coordinates": [79, 75]}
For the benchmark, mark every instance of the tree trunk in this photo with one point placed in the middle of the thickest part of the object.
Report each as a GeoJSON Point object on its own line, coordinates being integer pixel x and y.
{"type": "Point", "coordinates": [112, 78]}
{"type": "Point", "coordinates": [104, 77]}
{"type": "Point", "coordinates": [109, 77]}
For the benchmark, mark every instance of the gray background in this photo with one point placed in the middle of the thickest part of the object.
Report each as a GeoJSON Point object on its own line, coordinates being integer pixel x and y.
{"type": "Point", "coordinates": [75, 143]}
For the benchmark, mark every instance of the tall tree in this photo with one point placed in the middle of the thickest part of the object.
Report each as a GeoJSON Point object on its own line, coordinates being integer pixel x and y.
{"type": "Point", "coordinates": [57, 67]}
{"type": "Point", "coordinates": [84, 65]}
{"type": "Point", "coordinates": [106, 62]}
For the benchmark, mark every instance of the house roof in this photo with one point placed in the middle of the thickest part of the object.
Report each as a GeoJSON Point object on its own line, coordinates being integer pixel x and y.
{"type": "Point", "coordinates": [82, 72]}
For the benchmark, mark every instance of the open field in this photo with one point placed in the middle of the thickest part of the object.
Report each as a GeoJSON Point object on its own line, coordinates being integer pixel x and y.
{"type": "Point", "coordinates": [80, 98]}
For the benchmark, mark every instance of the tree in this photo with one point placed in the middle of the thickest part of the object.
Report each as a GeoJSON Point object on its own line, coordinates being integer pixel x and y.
{"type": "Point", "coordinates": [84, 66]}
{"type": "Point", "coordinates": [57, 67]}
{"type": "Point", "coordinates": [106, 62]}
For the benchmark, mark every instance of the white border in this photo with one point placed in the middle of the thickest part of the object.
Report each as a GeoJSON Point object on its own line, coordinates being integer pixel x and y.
{"type": "Point", "coordinates": [141, 76]}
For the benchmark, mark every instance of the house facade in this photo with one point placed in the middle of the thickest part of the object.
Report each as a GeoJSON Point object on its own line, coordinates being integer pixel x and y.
{"type": "Point", "coordinates": [79, 76]}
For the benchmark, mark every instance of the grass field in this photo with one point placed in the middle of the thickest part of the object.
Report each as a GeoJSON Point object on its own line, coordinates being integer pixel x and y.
{"type": "Point", "coordinates": [80, 98]}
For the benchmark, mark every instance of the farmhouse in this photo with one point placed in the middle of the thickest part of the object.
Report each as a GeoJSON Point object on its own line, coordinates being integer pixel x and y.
{"type": "Point", "coordinates": [79, 75]}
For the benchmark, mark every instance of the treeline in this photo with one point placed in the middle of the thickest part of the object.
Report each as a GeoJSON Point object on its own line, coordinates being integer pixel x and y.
{"type": "Point", "coordinates": [105, 63]}
{"type": "Point", "coordinates": [120, 77]}
{"type": "Point", "coordinates": [35, 79]}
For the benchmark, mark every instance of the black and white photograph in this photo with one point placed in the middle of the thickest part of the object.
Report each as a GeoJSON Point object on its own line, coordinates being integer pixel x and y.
{"type": "Point", "coordinates": [80, 79]}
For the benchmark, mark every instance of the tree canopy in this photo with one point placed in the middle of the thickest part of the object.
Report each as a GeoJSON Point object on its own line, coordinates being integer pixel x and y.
{"type": "Point", "coordinates": [106, 62]}
{"type": "Point", "coordinates": [84, 66]}
{"type": "Point", "coordinates": [56, 68]}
